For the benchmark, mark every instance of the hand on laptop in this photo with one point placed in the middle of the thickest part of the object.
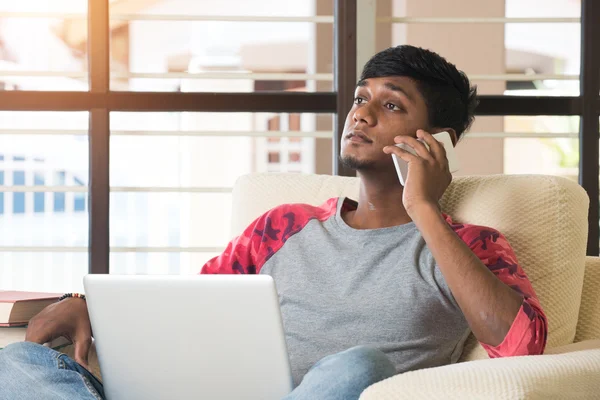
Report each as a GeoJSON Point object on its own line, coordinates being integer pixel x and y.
{"type": "Point", "coordinates": [68, 318]}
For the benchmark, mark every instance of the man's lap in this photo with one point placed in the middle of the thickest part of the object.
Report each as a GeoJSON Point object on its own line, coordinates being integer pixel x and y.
{"type": "Point", "coordinates": [32, 371]}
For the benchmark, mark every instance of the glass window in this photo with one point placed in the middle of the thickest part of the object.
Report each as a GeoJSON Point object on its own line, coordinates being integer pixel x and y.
{"type": "Point", "coordinates": [174, 55]}
{"type": "Point", "coordinates": [59, 198]}
{"type": "Point", "coordinates": [80, 202]}
{"type": "Point", "coordinates": [295, 157]}
{"type": "Point", "coordinates": [1, 193]}
{"type": "Point", "coordinates": [19, 178]}
{"type": "Point", "coordinates": [38, 198]}
{"type": "Point", "coordinates": [18, 198]}
{"type": "Point", "coordinates": [38, 179]}
{"type": "Point", "coordinates": [209, 149]}
{"type": "Point", "coordinates": [42, 219]}
{"type": "Point", "coordinates": [172, 175]}
{"type": "Point", "coordinates": [273, 157]}
{"type": "Point", "coordinates": [44, 51]}
{"type": "Point", "coordinates": [488, 51]}
{"type": "Point", "coordinates": [59, 202]}
{"type": "Point", "coordinates": [546, 145]}
{"type": "Point", "coordinates": [169, 219]}
{"type": "Point", "coordinates": [156, 263]}
{"type": "Point", "coordinates": [53, 272]}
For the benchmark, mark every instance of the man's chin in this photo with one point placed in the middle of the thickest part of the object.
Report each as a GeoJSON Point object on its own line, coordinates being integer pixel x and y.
{"type": "Point", "coordinates": [356, 164]}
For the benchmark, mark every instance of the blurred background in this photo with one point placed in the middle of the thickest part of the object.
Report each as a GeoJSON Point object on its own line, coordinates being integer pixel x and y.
{"type": "Point", "coordinates": [171, 173]}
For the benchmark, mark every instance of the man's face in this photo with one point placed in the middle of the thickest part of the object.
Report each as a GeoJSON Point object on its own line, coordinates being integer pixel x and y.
{"type": "Point", "coordinates": [383, 109]}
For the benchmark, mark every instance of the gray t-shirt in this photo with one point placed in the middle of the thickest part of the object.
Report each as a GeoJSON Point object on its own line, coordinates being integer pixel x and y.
{"type": "Point", "coordinates": [341, 287]}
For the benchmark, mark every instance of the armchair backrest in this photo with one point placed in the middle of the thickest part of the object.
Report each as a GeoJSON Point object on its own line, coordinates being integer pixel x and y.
{"type": "Point", "coordinates": [543, 217]}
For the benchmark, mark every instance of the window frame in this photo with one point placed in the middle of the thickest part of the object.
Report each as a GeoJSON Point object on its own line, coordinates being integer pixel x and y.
{"type": "Point", "coordinates": [99, 101]}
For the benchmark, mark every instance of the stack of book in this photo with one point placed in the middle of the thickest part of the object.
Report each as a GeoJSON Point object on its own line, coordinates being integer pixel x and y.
{"type": "Point", "coordinates": [16, 309]}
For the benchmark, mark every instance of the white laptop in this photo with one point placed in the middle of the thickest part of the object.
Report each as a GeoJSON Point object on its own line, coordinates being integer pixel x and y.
{"type": "Point", "coordinates": [192, 337]}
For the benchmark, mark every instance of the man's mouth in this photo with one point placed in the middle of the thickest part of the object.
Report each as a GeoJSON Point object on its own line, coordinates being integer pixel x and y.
{"type": "Point", "coordinates": [358, 137]}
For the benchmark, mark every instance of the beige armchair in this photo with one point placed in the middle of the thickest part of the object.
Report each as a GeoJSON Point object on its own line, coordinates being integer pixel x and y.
{"type": "Point", "coordinates": [545, 220]}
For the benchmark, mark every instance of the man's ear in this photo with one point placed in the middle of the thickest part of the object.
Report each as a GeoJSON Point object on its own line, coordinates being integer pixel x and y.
{"type": "Point", "coordinates": [451, 131]}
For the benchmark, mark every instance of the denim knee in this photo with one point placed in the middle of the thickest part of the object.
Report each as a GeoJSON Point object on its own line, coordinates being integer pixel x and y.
{"type": "Point", "coordinates": [27, 353]}
{"type": "Point", "coordinates": [32, 371]}
{"type": "Point", "coordinates": [16, 351]}
{"type": "Point", "coordinates": [367, 363]}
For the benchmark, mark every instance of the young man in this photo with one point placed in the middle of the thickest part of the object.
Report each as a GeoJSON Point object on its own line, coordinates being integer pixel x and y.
{"type": "Point", "coordinates": [368, 289]}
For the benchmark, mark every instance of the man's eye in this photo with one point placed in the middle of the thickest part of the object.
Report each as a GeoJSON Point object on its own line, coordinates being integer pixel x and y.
{"type": "Point", "coordinates": [359, 100]}
{"type": "Point", "coordinates": [392, 107]}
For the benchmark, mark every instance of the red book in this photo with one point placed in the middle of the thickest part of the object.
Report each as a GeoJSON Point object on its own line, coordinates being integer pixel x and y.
{"type": "Point", "coordinates": [17, 308]}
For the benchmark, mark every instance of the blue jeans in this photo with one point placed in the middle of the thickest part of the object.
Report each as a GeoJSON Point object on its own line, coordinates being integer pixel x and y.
{"type": "Point", "coordinates": [29, 371]}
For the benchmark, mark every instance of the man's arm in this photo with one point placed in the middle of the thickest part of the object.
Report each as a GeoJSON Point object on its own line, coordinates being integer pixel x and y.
{"type": "Point", "coordinates": [246, 253]}
{"type": "Point", "coordinates": [499, 306]}
{"type": "Point", "coordinates": [503, 313]}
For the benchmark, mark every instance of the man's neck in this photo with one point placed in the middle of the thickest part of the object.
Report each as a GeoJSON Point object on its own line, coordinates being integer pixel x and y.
{"type": "Point", "coordinates": [379, 203]}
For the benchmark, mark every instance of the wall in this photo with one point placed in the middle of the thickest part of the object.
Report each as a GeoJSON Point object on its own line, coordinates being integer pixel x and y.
{"type": "Point", "coordinates": [474, 48]}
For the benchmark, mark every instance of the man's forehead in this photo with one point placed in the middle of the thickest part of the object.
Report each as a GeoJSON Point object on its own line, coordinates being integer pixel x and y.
{"type": "Point", "coordinates": [401, 84]}
{"type": "Point", "coordinates": [398, 80]}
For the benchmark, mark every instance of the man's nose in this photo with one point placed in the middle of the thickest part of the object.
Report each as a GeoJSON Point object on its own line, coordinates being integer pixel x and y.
{"type": "Point", "coordinates": [363, 114]}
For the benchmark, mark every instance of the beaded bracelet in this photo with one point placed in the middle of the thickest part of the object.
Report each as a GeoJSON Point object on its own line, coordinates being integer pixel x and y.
{"type": "Point", "coordinates": [68, 295]}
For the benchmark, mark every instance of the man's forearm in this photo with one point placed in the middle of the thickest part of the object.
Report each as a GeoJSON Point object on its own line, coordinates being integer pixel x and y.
{"type": "Point", "coordinates": [489, 305]}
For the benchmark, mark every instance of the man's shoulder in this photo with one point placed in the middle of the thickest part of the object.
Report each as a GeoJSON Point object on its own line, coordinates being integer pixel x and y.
{"type": "Point", "coordinates": [303, 210]}
{"type": "Point", "coordinates": [276, 226]}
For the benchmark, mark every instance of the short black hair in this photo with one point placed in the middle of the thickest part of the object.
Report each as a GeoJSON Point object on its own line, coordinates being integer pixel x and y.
{"type": "Point", "coordinates": [448, 94]}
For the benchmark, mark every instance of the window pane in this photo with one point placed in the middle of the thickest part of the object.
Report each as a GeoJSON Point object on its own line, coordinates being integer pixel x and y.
{"type": "Point", "coordinates": [53, 272]}
{"type": "Point", "coordinates": [542, 8]}
{"type": "Point", "coordinates": [555, 150]}
{"type": "Point", "coordinates": [169, 219]}
{"type": "Point", "coordinates": [548, 48]}
{"type": "Point", "coordinates": [1, 193]}
{"type": "Point", "coordinates": [47, 52]}
{"type": "Point", "coordinates": [158, 263]}
{"type": "Point", "coordinates": [145, 52]}
{"type": "Point", "coordinates": [180, 156]}
{"type": "Point", "coordinates": [273, 157]}
{"type": "Point", "coordinates": [55, 156]}
{"type": "Point", "coordinates": [483, 50]}
{"type": "Point", "coordinates": [155, 151]}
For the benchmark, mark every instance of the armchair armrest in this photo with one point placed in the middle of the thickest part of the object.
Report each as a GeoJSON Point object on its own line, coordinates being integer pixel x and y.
{"type": "Point", "coordinates": [569, 375]}
{"type": "Point", "coordinates": [588, 325]}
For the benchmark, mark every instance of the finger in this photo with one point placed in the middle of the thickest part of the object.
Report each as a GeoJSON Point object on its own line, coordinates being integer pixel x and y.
{"type": "Point", "coordinates": [403, 154]}
{"type": "Point", "coordinates": [82, 349]}
{"type": "Point", "coordinates": [417, 145]}
{"type": "Point", "coordinates": [436, 149]}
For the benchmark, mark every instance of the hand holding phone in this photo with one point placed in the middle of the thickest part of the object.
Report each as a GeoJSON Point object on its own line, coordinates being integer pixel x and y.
{"type": "Point", "coordinates": [442, 137]}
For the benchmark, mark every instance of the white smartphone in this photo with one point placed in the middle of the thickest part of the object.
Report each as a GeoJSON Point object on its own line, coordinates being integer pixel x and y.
{"type": "Point", "coordinates": [442, 137]}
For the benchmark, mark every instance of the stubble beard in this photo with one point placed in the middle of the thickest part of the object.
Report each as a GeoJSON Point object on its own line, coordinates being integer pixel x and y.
{"type": "Point", "coordinates": [355, 164]}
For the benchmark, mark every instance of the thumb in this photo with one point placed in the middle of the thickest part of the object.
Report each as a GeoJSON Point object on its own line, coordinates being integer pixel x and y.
{"type": "Point", "coordinates": [82, 348]}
